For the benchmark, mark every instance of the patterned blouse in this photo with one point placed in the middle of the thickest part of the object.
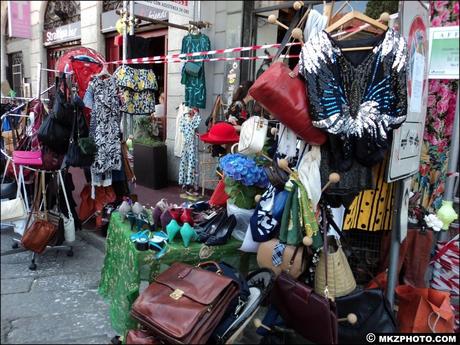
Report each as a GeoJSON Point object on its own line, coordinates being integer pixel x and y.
{"type": "Point", "coordinates": [357, 101]}
{"type": "Point", "coordinates": [138, 86]}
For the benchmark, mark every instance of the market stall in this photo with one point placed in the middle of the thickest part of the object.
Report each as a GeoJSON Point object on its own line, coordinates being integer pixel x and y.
{"type": "Point", "coordinates": [314, 160]}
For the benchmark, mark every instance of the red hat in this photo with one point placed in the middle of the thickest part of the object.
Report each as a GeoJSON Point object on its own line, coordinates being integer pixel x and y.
{"type": "Point", "coordinates": [221, 133]}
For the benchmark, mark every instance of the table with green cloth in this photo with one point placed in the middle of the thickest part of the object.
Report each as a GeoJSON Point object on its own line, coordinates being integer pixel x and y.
{"type": "Point", "coordinates": [125, 266]}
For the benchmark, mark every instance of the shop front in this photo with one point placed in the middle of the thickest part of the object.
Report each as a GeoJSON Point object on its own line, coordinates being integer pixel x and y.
{"type": "Point", "coordinates": [62, 32]}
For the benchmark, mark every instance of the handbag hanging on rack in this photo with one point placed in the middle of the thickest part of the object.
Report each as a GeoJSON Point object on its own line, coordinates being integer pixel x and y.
{"type": "Point", "coordinates": [252, 135]}
{"type": "Point", "coordinates": [283, 94]}
{"type": "Point", "coordinates": [312, 315]}
{"type": "Point", "coordinates": [41, 232]}
{"type": "Point", "coordinates": [75, 155]}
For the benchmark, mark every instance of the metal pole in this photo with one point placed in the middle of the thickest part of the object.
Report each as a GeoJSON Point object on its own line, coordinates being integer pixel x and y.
{"type": "Point", "coordinates": [453, 156]}
{"type": "Point", "coordinates": [131, 20]}
{"type": "Point", "coordinates": [395, 244]}
{"type": "Point", "coordinates": [39, 79]}
{"type": "Point", "coordinates": [125, 53]}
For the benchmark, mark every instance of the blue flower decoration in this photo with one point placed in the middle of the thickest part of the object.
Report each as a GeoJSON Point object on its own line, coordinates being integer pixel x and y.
{"type": "Point", "coordinates": [243, 169]}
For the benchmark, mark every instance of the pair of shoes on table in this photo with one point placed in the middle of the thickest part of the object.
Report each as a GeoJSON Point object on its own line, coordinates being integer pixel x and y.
{"type": "Point", "coordinates": [156, 241]}
{"type": "Point", "coordinates": [128, 206]}
{"type": "Point", "coordinates": [187, 232]}
{"type": "Point", "coordinates": [218, 230]}
{"type": "Point", "coordinates": [182, 215]}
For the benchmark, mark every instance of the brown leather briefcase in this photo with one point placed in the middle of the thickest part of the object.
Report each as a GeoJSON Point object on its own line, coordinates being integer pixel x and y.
{"type": "Point", "coordinates": [185, 303]}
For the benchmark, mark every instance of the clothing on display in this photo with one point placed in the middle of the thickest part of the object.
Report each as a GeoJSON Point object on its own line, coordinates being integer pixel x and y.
{"type": "Point", "coordinates": [102, 98]}
{"type": "Point", "coordinates": [179, 136]}
{"type": "Point", "coordinates": [189, 158]}
{"type": "Point", "coordinates": [357, 96]}
{"type": "Point", "coordinates": [138, 88]}
{"type": "Point", "coordinates": [372, 210]}
{"type": "Point", "coordinates": [195, 81]}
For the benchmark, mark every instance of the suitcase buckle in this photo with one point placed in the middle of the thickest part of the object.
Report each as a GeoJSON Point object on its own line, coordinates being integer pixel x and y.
{"type": "Point", "coordinates": [176, 294]}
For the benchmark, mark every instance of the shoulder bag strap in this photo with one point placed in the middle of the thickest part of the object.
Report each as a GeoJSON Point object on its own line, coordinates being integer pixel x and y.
{"type": "Point", "coordinates": [64, 191]}
{"type": "Point", "coordinates": [36, 198]}
{"type": "Point", "coordinates": [43, 191]}
{"type": "Point", "coordinates": [325, 251]}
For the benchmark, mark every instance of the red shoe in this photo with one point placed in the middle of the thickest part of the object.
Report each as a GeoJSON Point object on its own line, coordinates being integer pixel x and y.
{"type": "Point", "coordinates": [186, 216]}
{"type": "Point", "coordinates": [176, 213]}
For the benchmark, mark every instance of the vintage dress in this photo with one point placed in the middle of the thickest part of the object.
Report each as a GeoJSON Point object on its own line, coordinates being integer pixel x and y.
{"type": "Point", "coordinates": [189, 159]}
{"type": "Point", "coordinates": [358, 96]}
{"type": "Point", "coordinates": [195, 86]}
{"type": "Point", "coordinates": [138, 88]}
{"type": "Point", "coordinates": [102, 98]}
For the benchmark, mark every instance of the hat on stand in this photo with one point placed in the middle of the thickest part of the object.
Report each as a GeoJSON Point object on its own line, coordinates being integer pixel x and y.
{"type": "Point", "coordinates": [221, 133]}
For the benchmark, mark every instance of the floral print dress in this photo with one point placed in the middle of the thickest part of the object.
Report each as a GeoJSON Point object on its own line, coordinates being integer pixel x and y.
{"type": "Point", "coordinates": [138, 89]}
{"type": "Point", "coordinates": [189, 158]}
{"type": "Point", "coordinates": [102, 98]}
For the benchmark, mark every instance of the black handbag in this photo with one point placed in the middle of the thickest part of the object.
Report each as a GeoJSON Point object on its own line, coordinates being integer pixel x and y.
{"type": "Point", "coordinates": [76, 157]}
{"type": "Point", "coordinates": [62, 108]}
{"type": "Point", "coordinates": [374, 315]}
{"type": "Point", "coordinates": [277, 176]}
{"type": "Point", "coordinates": [54, 135]}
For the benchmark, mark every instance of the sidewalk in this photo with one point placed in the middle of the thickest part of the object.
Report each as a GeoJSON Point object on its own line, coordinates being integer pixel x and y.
{"type": "Point", "coordinates": [57, 303]}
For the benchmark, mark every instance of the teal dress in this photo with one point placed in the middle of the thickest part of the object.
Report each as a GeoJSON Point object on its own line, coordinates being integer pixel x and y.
{"type": "Point", "coordinates": [195, 85]}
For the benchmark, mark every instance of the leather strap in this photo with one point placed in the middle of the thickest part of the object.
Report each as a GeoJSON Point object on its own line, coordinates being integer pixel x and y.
{"type": "Point", "coordinates": [325, 250]}
{"type": "Point", "coordinates": [36, 198]}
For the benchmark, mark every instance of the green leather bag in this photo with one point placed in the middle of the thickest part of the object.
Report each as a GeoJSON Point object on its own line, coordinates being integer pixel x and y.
{"type": "Point", "coordinates": [193, 69]}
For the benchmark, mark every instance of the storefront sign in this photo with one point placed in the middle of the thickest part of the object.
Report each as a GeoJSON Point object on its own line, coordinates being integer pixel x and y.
{"type": "Point", "coordinates": [109, 19]}
{"type": "Point", "coordinates": [408, 139]}
{"type": "Point", "coordinates": [183, 8]}
{"type": "Point", "coordinates": [444, 53]}
{"type": "Point", "coordinates": [19, 19]}
{"type": "Point", "coordinates": [62, 34]}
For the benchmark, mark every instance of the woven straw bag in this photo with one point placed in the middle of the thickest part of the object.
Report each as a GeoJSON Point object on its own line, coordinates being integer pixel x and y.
{"type": "Point", "coordinates": [341, 281]}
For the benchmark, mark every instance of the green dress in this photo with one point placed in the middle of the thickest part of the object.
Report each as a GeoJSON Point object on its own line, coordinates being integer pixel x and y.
{"type": "Point", "coordinates": [195, 86]}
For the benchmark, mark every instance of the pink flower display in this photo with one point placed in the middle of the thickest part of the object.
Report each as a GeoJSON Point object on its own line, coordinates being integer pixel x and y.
{"type": "Point", "coordinates": [441, 103]}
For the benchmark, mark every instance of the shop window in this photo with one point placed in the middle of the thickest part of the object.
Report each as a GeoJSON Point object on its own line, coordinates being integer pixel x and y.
{"type": "Point", "coordinates": [111, 5]}
{"type": "Point", "coordinates": [59, 13]}
{"type": "Point", "coordinates": [15, 72]}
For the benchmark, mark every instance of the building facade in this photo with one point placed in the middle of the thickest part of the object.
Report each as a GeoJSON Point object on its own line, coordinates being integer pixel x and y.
{"type": "Point", "coordinates": [61, 25]}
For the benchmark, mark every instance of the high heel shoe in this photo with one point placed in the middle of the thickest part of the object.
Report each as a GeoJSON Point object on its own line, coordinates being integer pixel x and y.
{"type": "Point", "coordinates": [188, 234]}
{"type": "Point", "coordinates": [176, 213]}
{"type": "Point", "coordinates": [223, 233]}
{"type": "Point", "coordinates": [172, 229]}
{"type": "Point", "coordinates": [210, 228]}
{"type": "Point", "coordinates": [186, 216]}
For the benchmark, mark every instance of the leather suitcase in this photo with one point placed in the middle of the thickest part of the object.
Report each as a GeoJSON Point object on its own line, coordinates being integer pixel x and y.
{"type": "Point", "coordinates": [185, 303]}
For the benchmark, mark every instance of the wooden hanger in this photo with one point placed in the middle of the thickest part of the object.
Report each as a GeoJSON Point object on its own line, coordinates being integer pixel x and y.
{"type": "Point", "coordinates": [384, 18]}
{"type": "Point", "coordinates": [360, 16]}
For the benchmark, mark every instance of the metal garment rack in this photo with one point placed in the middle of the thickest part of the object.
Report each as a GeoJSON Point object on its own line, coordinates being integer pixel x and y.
{"type": "Point", "coordinates": [16, 242]}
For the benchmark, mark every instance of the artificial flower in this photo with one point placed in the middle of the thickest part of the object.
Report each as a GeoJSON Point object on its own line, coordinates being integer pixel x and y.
{"type": "Point", "coordinates": [433, 222]}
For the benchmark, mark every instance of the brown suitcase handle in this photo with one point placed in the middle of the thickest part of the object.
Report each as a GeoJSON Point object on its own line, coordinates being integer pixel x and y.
{"type": "Point", "coordinates": [205, 263]}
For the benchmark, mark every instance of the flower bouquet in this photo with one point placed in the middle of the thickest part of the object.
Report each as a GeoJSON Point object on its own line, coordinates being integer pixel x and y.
{"type": "Point", "coordinates": [244, 179]}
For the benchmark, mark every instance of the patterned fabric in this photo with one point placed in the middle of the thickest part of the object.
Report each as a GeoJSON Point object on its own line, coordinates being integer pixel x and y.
{"type": "Point", "coordinates": [189, 157]}
{"type": "Point", "coordinates": [124, 267]}
{"type": "Point", "coordinates": [362, 100]}
{"type": "Point", "coordinates": [263, 224]}
{"type": "Point", "coordinates": [358, 105]}
{"type": "Point", "coordinates": [195, 87]}
{"type": "Point", "coordinates": [138, 87]}
{"type": "Point", "coordinates": [372, 209]}
{"type": "Point", "coordinates": [102, 97]}
{"type": "Point", "coordinates": [277, 254]}
{"type": "Point", "coordinates": [442, 99]}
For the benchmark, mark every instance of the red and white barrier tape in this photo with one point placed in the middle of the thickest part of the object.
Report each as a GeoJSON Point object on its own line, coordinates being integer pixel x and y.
{"type": "Point", "coordinates": [208, 52]}
{"type": "Point", "coordinates": [214, 59]}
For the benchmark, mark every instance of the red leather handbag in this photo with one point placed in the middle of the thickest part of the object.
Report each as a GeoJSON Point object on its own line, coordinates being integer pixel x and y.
{"type": "Point", "coordinates": [283, 94]}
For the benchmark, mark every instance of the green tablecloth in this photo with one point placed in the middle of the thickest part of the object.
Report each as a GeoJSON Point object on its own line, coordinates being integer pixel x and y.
{"type": "Point", "coordinates": [124, 266]}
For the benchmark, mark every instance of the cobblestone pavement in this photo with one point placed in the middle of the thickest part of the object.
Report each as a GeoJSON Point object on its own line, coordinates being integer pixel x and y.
{"type": "Point", "coordinates": [57, 303]}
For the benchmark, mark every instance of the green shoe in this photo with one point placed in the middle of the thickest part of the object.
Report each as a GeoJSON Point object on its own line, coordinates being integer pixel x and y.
{"type": "Point", "coordinates": [188, 234]}
{"type": "Point", "coordinates": [172, 229]}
